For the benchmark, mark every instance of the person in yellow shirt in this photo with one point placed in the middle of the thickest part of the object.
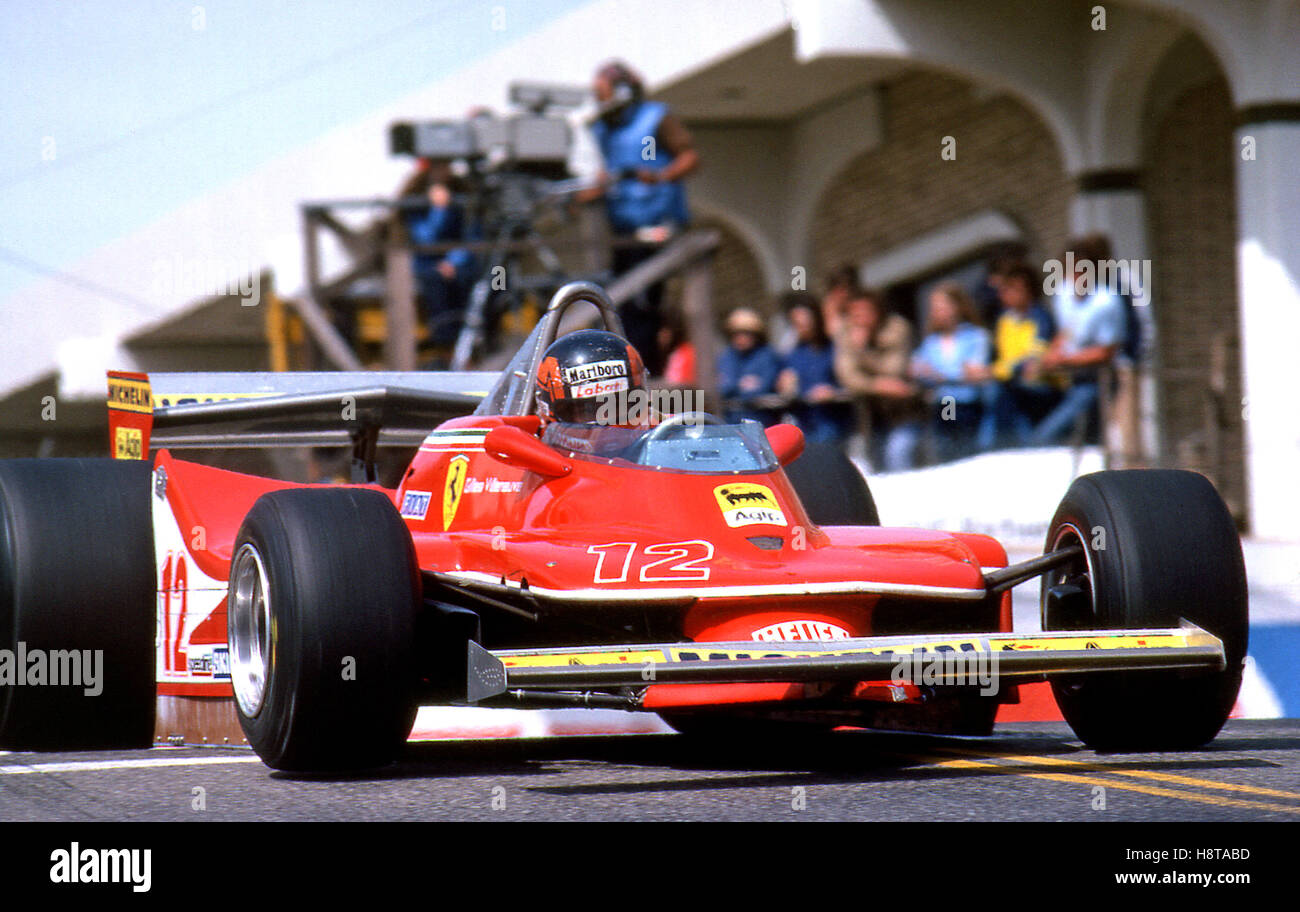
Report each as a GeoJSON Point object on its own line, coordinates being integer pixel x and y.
{"type": "Point", "coordinates": [1016, 395]}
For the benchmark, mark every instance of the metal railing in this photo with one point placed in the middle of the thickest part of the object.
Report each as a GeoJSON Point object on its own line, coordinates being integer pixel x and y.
{"type": "Point", "coordinates": [381, 252]}
{"type": "Point", "coordinates": [1120, 446]}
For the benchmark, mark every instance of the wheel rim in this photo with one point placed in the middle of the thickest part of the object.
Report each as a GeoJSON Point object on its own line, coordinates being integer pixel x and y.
{"type": "Point", "coordinates": [1079, 571]}
{"type": "Point", "coordinates": [250, 630]}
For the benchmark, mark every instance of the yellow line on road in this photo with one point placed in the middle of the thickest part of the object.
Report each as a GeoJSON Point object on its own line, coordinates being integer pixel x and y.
{"type": "Point", "coordinates": [1083, 765]}
{"type": "Point", "coordinates": [1173, 778]}
{"type": "Point", "coordinates": [1001, 769]}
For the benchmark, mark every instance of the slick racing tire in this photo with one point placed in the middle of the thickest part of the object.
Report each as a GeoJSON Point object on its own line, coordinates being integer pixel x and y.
{"type": "Point", "coordinates": [77, 602]}
{"type": "Point", "coordinates": [1159, 545]}
{"type": "Point", "coordinates": [831, 488]}
{"type": "Point", "coordinates": [324, 591]}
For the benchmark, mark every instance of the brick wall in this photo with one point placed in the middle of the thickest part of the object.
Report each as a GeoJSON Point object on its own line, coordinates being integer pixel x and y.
{"type": "Point", "coordinates": [1191, 212]}
{"type": "Point", "coordinates": [1006, 159]}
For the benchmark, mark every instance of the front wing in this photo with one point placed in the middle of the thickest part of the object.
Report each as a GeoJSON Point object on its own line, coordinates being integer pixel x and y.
{"type": "Point", "coordinates": [1005, 656]}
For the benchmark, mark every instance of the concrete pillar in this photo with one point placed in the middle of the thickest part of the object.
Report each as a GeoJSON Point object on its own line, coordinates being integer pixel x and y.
{"type": "Point", "coordinates": [1268, 278]}
{"type": "Point", "coordinates": [1111, 202]}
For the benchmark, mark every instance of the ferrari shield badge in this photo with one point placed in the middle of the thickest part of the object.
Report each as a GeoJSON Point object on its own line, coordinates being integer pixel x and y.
{"type": "Point", "coordinates": [746, 504]}
{"type": "Point", "coordinates": [453, 488]}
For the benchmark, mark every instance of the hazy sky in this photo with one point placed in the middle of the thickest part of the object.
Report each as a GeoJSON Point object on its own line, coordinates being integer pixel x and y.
{"type": "Point", "coordinates": [115, 112]}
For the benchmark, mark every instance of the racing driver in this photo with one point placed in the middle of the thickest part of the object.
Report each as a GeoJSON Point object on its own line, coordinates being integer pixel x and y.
{"type": "Point", "coordinates": [588, 387]}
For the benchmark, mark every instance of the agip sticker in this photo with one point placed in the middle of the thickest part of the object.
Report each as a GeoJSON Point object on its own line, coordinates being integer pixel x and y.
{"type": "Point", "coordinates": [747, 504]}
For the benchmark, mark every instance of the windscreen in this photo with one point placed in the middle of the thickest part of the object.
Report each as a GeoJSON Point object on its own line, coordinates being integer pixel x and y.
{"type": "Point", "coordinates": [514, 388]}
{"type": "Point", "coordinates": [697, 448]}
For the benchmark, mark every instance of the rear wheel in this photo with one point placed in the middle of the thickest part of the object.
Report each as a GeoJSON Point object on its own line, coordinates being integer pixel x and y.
{"type": "Point", "coordinates": [324, 591]}
{"type": "Point", "coordinates": [77, 589]}
{"type": "Point", "coordinates": [1159, 546]}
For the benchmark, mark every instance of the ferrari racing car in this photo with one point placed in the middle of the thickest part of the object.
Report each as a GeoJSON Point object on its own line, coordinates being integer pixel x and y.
{"type": "Point", "coordinates": [536, 554]}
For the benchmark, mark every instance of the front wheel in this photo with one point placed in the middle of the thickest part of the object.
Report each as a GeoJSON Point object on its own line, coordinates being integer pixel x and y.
{"type": "Point", "coordinates": [1159, 546]}
{"type": "Point", "coordinates": [324, 590]}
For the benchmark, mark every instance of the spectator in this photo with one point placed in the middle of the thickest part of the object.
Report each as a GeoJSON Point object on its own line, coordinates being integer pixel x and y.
{"type": "Point", "coordinates": [747, 367]}
{"type": "Point", "coordinates": [1124, 394]}
{"type": "Point", "coordinates": [646, 153]}
{"type": "Point", "coordinates": [809, 373]}
{"type": "Point", "coordinates": [678, 352]}
{"type": "Point", "coordinates": [1001, 260]}
{"type": "Point", "coordinates": [443, 279]}
{"type": "Point", "coordinates": [952, 361]}
{"type": "Point", "coordinates": [1017, 397]}
{"type": "Point", "coordinates": [871, 360]}
{"type": "Point", "coordinates": [1089, 331]}
{"type": "Point", "coordinates": [841, 287]}
{"type": "Point", "coordinates": [1096, 248]}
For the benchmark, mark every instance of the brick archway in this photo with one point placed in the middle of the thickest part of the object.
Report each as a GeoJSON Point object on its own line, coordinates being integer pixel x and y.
{"type": "Point", "coordinates": [1006, 159]}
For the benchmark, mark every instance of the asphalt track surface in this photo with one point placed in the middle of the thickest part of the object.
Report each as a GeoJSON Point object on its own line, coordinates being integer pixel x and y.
{"type": "Point", "coordinates": [1025, 771]}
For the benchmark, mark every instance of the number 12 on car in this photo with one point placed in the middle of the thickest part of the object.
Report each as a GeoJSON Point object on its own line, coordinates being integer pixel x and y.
{"type": "Point", "coordinates": [679, 561]}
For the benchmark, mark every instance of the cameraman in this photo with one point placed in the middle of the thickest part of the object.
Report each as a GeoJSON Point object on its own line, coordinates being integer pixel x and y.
{"type": "Point", "coordinates": [646, 153]}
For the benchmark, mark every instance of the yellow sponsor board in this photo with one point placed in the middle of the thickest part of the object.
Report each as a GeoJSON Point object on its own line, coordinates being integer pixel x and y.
{"type": "Point", "coordinates": [699, 651]}
{"type": "Point", "coordinates": [136, 396]}
{"type": "Point", "coordinates": [129, 395]}
{"type": "Point", "coordinates": [128, 443]}
{"type": "Point", "coordinates": [629, 657]}
{"type": "Point", "coordinates": [694, 652]}
{"type": "Point", "coordinates": [745, 504]}
{"type": "Point", "coordinates": [167, 400]}
{"type": "Point", "coordinates": [704, 651]}
{"type": "Point", "coordinates": [1060, 644]}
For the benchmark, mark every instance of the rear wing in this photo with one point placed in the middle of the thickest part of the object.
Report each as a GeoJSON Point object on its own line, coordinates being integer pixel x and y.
{"type": "Point", "coordinates": [364, 410]}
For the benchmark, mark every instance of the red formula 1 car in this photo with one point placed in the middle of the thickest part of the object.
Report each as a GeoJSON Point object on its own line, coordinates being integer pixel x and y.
{"type": "Point", "coordinates": [702, 570]}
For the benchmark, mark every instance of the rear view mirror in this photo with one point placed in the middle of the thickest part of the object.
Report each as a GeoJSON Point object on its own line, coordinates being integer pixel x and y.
{"type": "Point", "coordinates": [786, 441]}
{"type": "Point", "coordinates": [522, 450]}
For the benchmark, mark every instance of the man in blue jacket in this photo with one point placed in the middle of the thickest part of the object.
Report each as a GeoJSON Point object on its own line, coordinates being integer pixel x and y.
{"type": "Point", "coordinates": [444, 279]}
{"type": "Point", "coordinates": [646, 153]}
